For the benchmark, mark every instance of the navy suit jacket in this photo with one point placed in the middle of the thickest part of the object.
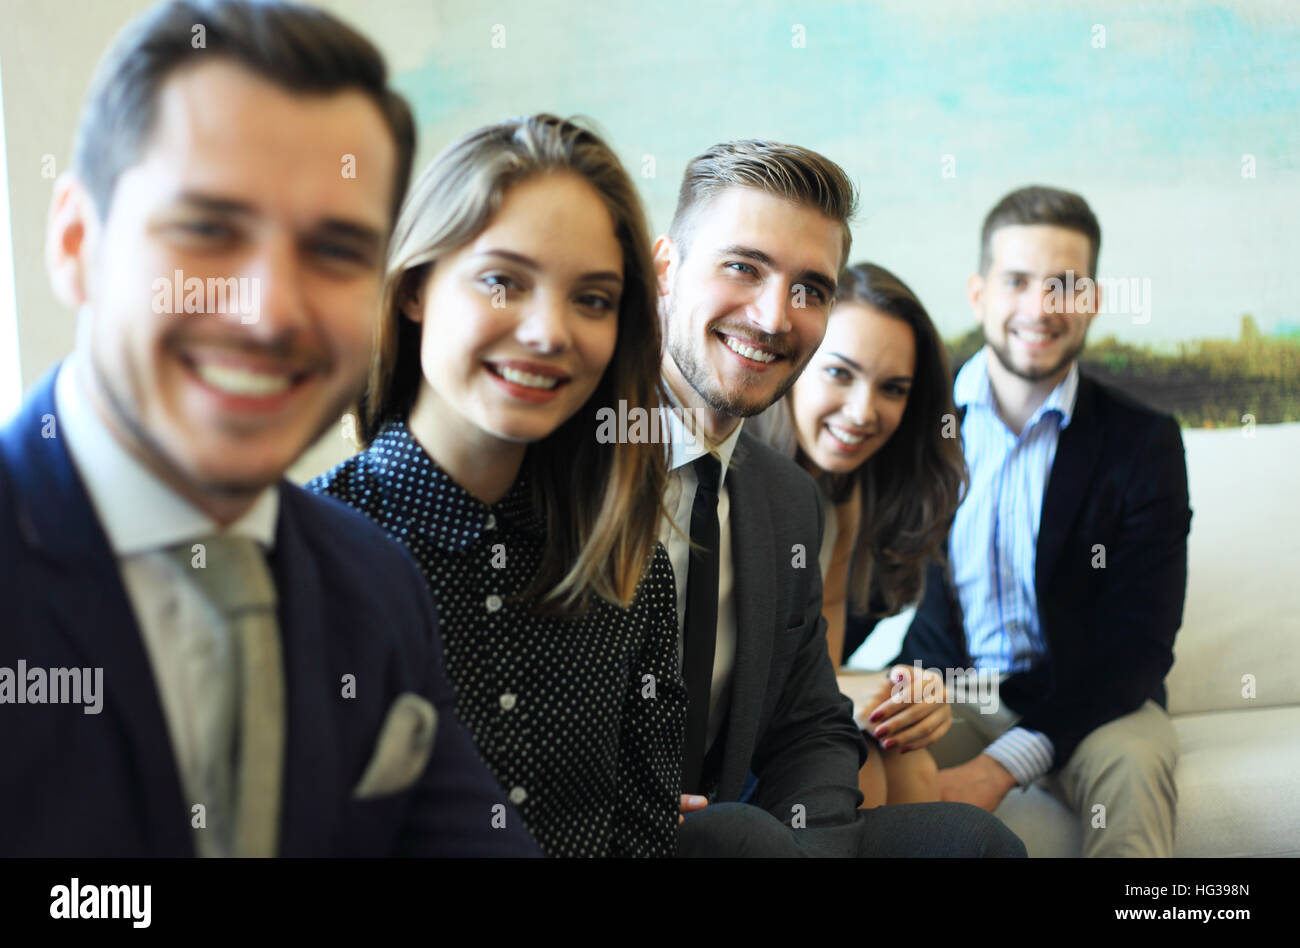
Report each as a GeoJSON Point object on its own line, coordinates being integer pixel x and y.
{"type": "Point", "coordinates": [107, 784]}
{"type": "Point", "coordinates": [1118, 488]}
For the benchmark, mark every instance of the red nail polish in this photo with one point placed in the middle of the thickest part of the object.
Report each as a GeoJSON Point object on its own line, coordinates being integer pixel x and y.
{"type": "Point", "coordinates": [876, 716]}
{"type": "Point", "coordinates": [888, 745]}
{"type": "Point", "coordinates": [881, 732]}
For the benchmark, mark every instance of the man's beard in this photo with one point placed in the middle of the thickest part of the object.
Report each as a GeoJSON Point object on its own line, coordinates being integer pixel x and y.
{"type": "Point", "coordinates": [697, 375]}
{"type": "Point", "coordinates": [1003, 353]}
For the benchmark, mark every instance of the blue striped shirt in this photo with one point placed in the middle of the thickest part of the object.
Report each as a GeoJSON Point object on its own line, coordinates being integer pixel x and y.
{"type": "Point", "coordinates": [994, 542]}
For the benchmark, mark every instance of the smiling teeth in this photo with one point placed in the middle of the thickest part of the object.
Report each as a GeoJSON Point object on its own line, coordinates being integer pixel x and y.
{"type": "Point", "coordinates": [841, 435]}
{"type": "Point", "coordinates": [758, 355]}
{"type": "Point", "coordinates": [238, 381]}
{"type": "Point", "coordinates": [527, 379]}
{"type": "Point", "coordinates": [1030, 336]}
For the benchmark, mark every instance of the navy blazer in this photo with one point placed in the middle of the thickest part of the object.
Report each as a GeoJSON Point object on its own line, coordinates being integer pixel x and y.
{"type": "Point", "coordinates": [787, 721]}
{"type": "Point", "coordinates": [107, 784]}
{"type": "Point", "coordinates": [1118, 487]}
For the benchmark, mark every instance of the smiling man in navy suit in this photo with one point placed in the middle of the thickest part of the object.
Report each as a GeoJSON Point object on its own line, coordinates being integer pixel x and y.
{"type": "Point", "coordinates": [271, 677]}
{"type": "Point", "coordinates": [1068, 554]}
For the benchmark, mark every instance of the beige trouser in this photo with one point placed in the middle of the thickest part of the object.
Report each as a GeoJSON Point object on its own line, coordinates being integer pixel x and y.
{"type": "Point", "coordinates": [1119, 781]}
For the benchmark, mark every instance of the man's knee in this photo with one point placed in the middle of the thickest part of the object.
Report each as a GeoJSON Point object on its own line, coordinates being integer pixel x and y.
{"type": "Point", "coordinates": [1125, 756]}
{"type": "Point", "coordinates": [937, 830]}
{"type": "Point", "coordinates": [728, 830]}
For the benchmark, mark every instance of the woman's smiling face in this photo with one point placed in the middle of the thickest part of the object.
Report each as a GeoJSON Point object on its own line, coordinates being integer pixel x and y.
{"type": "Point", "coordinates": [520, 324]}
{"type": "Point", "coordinates": [851, 398]}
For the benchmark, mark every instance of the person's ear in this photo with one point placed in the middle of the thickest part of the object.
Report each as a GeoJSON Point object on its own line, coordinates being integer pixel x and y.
{"type": "Point", "coordinates": [666, 261]}
{"type": "Point", "coordinates": [975, 286]}
{"type": "Point", "coordinates": [70, 228]}
{"type": "Point", "coordinates": [410, 297]}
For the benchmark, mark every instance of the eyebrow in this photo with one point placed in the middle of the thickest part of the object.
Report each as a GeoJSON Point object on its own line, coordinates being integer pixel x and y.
{"type": "Point", "coordinates": [846, 359]}
{"type": "Point", "coordinates": [360, 233]}
{"type": "Point", "coordinates": [850, 362]}
{"type": "Point", "coordinates": [595, 276]}
{"type": "Point", "coordinates": [826, 284]}
{"type": "Point", "coordinates": [1027, 275]}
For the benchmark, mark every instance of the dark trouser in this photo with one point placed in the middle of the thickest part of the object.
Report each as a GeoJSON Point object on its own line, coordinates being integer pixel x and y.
{"type": "Point", "coordinates": [913, 829]}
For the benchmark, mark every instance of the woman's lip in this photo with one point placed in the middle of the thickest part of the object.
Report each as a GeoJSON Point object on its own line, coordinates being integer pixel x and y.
{"type": "Point", "coordinates": [524, 392]}
{"type": "Point", "coordinates": [532, 368]}
{"type": "Point", "coordinates": [841, 447]}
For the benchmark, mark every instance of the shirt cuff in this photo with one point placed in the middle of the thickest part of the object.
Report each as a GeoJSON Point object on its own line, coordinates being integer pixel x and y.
{"type": "Point", "coordinates": [1026, 754]}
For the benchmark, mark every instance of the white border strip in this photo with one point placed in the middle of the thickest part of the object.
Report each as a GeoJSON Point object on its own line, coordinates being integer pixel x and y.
{"type": "Point", "coordinates": [11, 385]}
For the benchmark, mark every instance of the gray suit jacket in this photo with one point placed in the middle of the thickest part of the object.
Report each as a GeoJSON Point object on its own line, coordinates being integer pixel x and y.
{"type": "Point", "coordinates": [788, 722]}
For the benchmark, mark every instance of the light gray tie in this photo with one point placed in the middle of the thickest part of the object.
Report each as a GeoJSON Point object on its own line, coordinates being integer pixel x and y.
{"type": "Point", "coordinates": [236, 581]}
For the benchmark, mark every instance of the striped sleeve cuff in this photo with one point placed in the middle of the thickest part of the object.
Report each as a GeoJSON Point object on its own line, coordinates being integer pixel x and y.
{"type": "Point", "coordinates": [1026, 754]}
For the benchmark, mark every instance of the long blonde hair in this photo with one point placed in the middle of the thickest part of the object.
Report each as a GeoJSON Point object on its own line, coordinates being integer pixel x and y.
{"type": "Point", "coordinates": [601, 502]}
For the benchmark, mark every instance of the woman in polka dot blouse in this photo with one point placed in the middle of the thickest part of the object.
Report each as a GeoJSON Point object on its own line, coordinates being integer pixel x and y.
{"type": "Point", "coordinates": [519, 302]}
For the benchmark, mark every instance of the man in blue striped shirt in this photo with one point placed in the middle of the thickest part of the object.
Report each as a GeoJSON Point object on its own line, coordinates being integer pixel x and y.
{"type": "Point", "coordinates": [1064, 473]}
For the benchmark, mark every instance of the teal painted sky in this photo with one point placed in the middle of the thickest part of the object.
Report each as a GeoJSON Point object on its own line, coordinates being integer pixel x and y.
{"type": "Point", "coordinates": [1151, 129]}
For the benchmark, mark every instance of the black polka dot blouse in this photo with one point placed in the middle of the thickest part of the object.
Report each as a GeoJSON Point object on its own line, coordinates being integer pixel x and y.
{"type": "Point", "coordinates": [580, 721]}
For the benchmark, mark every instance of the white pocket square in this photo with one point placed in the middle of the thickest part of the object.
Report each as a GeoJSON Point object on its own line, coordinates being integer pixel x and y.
{"type": "Point", "coordinates": [404, 745]}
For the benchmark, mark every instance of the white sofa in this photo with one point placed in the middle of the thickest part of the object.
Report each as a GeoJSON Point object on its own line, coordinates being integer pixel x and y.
{"type": "Point", "coordinates": [1238, 774]}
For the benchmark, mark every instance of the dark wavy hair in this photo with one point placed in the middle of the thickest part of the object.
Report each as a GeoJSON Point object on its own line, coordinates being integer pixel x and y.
{"type": "Point", "coordinates": [910, 487]}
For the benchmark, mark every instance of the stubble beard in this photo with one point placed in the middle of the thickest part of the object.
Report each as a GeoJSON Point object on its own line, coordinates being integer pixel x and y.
{"type": "Point", "coordinates": [1003, 354]}
{"type": "Point", "coordinates": [696, 373]}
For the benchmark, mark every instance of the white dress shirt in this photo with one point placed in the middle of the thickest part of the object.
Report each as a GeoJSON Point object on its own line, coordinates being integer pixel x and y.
{"type": "Point", "coordinates": [187, 644]}
{"type": "Point", "coordinates": [679, 498]}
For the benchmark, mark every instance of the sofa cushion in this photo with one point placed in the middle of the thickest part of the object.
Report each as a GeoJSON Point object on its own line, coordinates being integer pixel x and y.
{"type": "Point", "coordinates": [1238, 782]}
{"type": "Point", "coordinates": [1242, 612]}
{"type": "Point", "coordinates": [1238, 792]}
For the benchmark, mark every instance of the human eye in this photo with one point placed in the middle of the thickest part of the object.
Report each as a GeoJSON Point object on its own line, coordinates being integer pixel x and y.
{"type": "Point", "coordinates": [739, 266]}
{"type": "Point", "coordinates": [814, 291]}
{"type": "Point", "coordinates": [897, 390]}
{"type": "Point", "coordinates": [599, 302]}
{"type": "Point", "coordinates": [494, 281]}
{"type": "Point", "coordinates": [202, 230]}
{"type": "Point", "coordinates": [339, 253]}
{"type": "Point", "coordinates": [837, 373]}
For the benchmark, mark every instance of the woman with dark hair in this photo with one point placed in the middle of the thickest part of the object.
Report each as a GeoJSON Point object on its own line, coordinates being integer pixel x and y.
{"type": "Point", "coordinates": [519, 302]}
{"type": "Point", "coordinates": [867, 420]}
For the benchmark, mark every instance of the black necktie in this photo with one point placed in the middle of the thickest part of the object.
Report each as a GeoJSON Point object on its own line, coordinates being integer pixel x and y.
{"type": "Point", "coordinates": [701, 626]}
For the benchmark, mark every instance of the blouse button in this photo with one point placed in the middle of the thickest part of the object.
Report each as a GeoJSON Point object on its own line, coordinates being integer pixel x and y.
{"type": "Point", "coordinates": [493, 603]}
{"type": "Point", "coordinates": [491, 523]}
{"type": "Point", "coordinates": [508, 702]}
{"type": "Point", "coordinates": [518, 795]}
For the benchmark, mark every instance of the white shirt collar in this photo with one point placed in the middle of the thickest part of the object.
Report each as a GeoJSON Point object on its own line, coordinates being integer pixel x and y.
{"type": "Point", "coordinates": [973, 388]}
{"type": "Point", "coordinates": [685, 445]}
{"type": "Point", "coordinates": [139, 513]}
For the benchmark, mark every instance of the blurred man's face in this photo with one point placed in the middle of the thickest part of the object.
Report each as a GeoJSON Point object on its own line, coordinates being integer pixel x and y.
{"type": "Point", "coordinates": [746, 305]}
{"type": "Point", "coordinates": [248, 185]}
{"type": "Point", "coordinates": [1034, 334]}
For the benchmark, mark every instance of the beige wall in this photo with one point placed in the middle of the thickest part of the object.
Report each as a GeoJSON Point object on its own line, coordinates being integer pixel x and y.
{"type": "Point", "coordinates": [48, 51]}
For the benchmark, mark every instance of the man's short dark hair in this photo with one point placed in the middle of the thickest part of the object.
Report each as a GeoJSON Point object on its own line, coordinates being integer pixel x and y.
{"type": "Point", "coordinates": [790, 172]}
{"type": "Point", "coordinates": [300, 48]}
{"type": "Point", "coordinates": [1041, 205]}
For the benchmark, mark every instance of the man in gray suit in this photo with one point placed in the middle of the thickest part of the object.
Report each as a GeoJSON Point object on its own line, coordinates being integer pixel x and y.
{"type": "Point", "coordinates": [747, 276]}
